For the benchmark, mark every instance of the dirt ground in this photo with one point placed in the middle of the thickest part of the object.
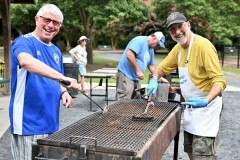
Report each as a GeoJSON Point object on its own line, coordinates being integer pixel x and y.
{"type": "Point", "coordinates": [230, 61]}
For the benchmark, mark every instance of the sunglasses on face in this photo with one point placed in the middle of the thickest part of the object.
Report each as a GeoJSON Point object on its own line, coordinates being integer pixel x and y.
{"type": "Point", "coordinates": [48, 20]}
{"type": "Point", "coordinates": [176, 27]}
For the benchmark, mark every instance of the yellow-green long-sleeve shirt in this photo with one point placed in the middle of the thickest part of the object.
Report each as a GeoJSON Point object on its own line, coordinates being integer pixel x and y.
{"type": "Point", "coordinates": [203, 64]}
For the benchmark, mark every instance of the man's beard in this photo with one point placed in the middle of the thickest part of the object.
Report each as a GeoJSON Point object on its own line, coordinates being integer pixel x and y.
{"type": "Point", "coordinates": [182, 41]}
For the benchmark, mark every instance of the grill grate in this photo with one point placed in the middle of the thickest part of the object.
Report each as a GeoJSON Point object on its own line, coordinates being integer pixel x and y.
{"type": "Point", "coordinates": [114, 129]}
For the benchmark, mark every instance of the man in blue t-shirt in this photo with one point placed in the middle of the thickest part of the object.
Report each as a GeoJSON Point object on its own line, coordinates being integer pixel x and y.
{"type": "Point", "coordinates": [36, 70]}
{"type": "Point", "coordinates": [137, 56]}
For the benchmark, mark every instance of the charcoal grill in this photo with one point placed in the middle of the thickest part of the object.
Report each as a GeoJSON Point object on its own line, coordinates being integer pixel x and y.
{"type": "Point", "coordinates": [114, 135]}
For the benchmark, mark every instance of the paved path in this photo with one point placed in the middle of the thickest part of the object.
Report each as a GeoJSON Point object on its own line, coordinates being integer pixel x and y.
{"type": "Point", "coordinates": [4, 120]}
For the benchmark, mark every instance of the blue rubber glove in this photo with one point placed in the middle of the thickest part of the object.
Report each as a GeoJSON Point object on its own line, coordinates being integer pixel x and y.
{"type": "Point", "coordinates": [152, 86]}
{"type": "Point", "coordinates": [196, 102]}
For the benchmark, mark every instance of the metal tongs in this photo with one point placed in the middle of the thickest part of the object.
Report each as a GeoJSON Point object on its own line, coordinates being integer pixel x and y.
{"type": "Point", "coordinates": [144, 116]}
{"type": "Point", "coordinates": [66, 83]}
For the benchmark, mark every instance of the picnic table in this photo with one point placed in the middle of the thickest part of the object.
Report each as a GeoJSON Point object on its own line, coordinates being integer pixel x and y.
{"type": "Point", "coordinates": [104, 75]}
{"type": "Point", "coordinates": [106, 70]}
{"type": "Point", "coordinates": [3, 81]}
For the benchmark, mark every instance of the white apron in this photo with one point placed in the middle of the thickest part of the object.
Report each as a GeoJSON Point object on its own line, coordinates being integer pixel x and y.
{"type": "Point", "coordinates": [198, 121]}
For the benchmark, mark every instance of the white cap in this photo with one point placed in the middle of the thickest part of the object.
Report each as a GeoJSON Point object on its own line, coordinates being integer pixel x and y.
{"type": "Point", "coordinates": [159, 35]}
{"type": "Point", "coordinates": [82, 38]}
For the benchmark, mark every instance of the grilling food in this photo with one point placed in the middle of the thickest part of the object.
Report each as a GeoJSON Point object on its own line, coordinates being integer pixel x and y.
{"type": "Point", "coordinates": [144, 116]}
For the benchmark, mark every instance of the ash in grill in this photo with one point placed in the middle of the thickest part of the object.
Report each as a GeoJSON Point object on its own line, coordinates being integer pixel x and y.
{"type": "Point", "coordinates": [114, 131]}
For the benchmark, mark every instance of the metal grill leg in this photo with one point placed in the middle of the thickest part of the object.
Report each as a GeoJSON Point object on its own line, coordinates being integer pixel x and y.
{"type": "Point", "coordinates": [176, 141]}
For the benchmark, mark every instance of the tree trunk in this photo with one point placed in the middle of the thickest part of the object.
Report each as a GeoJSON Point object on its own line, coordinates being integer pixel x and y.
{"type": "Point", "coordinates": [88, 25]}
{"type": "Point", "coordinates": [5, 9]}
{"type": "Point", "coordinates": [89, 48]}
{"type": "Point", "coordinates": [68, 45]}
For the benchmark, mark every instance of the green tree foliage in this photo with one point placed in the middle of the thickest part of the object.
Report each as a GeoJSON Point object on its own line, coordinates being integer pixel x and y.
{"type": "Point", "coordinates": [105, 15]}
{"type": "Point", "coordinates": [217, 20]}
{"type": "Point", "coordinates": [22, 18]}
{"type": "Point", "coordinates": [86, 18]}
{"type": "Point", "coordinates": [119, 17]}
{"type": "Point", "coordinates": [226, 22]}
{"type": "Point", "coordinates": [113, 21]}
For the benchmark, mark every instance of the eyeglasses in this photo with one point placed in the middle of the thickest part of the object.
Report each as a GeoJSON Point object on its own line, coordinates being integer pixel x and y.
{"type": "Point", "coordinates": [48, 20]}
{"type": "Point", "coordinates": [176, 27]}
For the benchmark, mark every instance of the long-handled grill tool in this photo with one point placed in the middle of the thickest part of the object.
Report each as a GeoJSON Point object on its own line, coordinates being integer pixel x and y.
{"type": "Point", "coordinates": [66, 83]}
{"type": "Point", "coordinates": [104, 110]}
{"type": "Point", "coordinates": [144, 116]}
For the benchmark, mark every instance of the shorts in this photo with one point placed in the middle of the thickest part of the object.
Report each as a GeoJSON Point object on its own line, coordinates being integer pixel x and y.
{"type": "Point", "coordinates": [21, 146]}
{"type": "Point", "coordinates": [82, 69]}
{"type": "Point", "coordinates": [202, 148]}
{"type": "Point", "coordinates": [126, 87]}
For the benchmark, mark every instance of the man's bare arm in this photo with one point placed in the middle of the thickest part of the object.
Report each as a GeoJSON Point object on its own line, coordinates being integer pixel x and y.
{"type": "Point", "coordinates": [132, 60]}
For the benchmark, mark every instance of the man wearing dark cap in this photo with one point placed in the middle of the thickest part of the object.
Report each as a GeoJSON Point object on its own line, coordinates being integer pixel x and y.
{"type": "Point", "coordinates": [137, 56]}
{"type": "Point", "coordinates": [201, 81]}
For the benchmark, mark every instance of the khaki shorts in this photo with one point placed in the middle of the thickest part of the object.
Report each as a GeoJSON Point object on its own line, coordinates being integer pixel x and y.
{"type": "Point", "coordinates": [126, 87]}
{"type": "Point", "coordinates": [202, 148]}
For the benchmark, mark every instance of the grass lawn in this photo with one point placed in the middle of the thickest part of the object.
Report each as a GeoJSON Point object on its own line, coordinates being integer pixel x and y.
{"type": "Point", "coordinates": [231, 70]}
{"type": "Point", "coordinates": [99, 63]}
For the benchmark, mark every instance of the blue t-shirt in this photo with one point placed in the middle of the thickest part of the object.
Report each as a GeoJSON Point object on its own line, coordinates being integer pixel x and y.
{"type": "Point", "coordinates": [35, 100]}
{"type": "Point", "coordinates": [144, 57]}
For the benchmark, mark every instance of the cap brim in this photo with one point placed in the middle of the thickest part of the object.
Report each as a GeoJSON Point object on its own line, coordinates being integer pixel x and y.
{"type": "Point", "coordinates": [161, 44]}
{"type": "Point", "coordinates": [174, 22]}
{"type": "Point", "coordinates": [85, 39]}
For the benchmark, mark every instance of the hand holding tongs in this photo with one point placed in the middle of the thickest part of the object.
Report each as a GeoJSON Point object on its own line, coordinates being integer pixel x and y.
{"type": "Point", "coordinates": [66, 83]}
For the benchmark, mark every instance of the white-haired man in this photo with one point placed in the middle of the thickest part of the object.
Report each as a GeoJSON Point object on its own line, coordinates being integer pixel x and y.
{"type": "Point", "coordinates": [36, 70]}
